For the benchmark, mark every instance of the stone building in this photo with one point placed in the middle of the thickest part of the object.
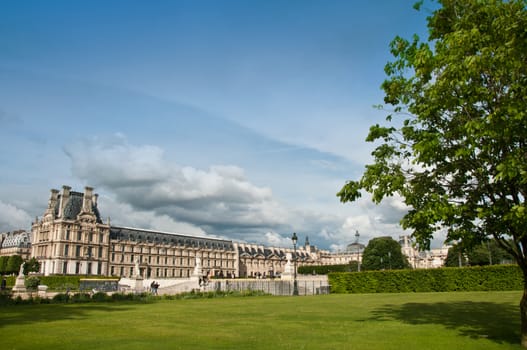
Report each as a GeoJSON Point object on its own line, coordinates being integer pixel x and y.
{"type": "Point", "coordinates": [430, 259]}
{"type": "Point", "coordinates": [16, 243]}
{"type": "Point", "coordinates": [71, 238]}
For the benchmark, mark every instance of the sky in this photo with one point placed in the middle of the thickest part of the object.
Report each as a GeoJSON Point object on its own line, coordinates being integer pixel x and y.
{"type": "Point", "coordinates": [234, 119]}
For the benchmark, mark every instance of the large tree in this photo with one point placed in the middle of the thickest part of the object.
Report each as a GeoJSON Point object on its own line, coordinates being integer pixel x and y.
{"type": "Point", "coordinates": [454, 145]}
{"type": "Point", "coordinates": [383, 253]}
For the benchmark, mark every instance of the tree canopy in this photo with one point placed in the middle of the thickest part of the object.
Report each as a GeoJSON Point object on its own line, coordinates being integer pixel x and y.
{"type": "Point", "coordinates": [383, 253]}
{"type": "Point", "coordinates": [454, 143]}
{"type": "Point", "coordinates": [454, 147]}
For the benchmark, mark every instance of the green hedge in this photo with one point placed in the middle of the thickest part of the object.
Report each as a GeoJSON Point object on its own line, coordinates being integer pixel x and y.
{"type": "Point", "coordinates": [484, 278]}
{"type": "Point", "coordinates": [58, 283]}
{"type": "Point", "coordinates": [324, 269]}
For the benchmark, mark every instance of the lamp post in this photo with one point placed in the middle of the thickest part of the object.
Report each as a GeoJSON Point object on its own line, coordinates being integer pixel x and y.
{"type": "Point", "coordinates": [358, 249]}
{"type": "Point", "coordinates": [295, 285]}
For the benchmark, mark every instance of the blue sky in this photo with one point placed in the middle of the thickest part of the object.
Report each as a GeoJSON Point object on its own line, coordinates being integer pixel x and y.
{"type": "Point", "coordinates": [238, 119]}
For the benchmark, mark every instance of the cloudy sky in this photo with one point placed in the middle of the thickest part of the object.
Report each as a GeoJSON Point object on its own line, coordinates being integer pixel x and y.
{"type": "Point", "coordinates": [237, 119]}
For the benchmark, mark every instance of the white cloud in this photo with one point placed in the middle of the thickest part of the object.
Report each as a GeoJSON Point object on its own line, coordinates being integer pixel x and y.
{"type": "Point", "coordinates": [276, 240]}
{"type": "Point", "coordinates": [220, 200]}
{"type": "Point", "coordinates": [13, 218]}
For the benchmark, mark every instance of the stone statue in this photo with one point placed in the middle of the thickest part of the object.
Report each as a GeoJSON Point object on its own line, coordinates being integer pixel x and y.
{"type": "Point", "coordinates": [137, 271]}
{"type": "Point", "coordinates": [21, 271]}
{"type": "Point", "coordinates": [197, 269]}
{"type": "Point", "coordinates": [288, 268]}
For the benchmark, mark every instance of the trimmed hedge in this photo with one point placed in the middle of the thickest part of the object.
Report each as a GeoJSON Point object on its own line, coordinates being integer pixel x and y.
{"type": "Point", "coordinates": [481, 278]}
{"type": "Point", "coordinates": [57, 283]}
{"type": "Point", "coordinates": [324, 269]}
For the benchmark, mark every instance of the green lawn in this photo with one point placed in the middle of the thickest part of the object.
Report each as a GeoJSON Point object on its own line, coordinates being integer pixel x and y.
{"type": "Point", "coordinates": [478, 320]}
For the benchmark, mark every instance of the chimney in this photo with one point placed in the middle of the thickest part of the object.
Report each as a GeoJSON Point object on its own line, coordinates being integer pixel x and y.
{"type": "Point", "coordinates": [95, 197]}
{"type": "Point", "coordinates": [50, 211]}
{"type": "Point", "coordinates": [64, 199]}
{"type": "Point", "coordinates": [87, 199]}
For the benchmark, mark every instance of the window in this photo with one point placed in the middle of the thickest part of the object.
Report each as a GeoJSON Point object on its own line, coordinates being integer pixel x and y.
{"type": "Point", "coordinates": [66, 249]}
{"type": "Point", "coordinates": [78, 251]}
{"type": "Point", "coordinates": [100, 252]}
{"type": "Point", "coordinates": [79, 235]}
{"type": "Point", "coordinates": [68, 234]}
{"type": "Point", "coordinates": [101, 238]}
{"type": "Point", "coordinates": [65, 267]}
{"type": "Point", "coordinates": [113, 256]}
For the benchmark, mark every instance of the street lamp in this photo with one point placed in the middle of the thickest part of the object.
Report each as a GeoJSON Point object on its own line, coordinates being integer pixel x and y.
{"type": "Point", "coordinates": [295, 285]}
{"type": "Point", "coordinates": [357, 245]}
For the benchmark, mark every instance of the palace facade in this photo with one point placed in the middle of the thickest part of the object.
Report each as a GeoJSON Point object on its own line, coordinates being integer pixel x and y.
{"type": "Point", "coordinates": [71, 238]}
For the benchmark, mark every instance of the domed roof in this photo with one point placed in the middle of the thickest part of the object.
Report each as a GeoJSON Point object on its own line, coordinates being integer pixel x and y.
{"type": "Point", "coordinates": [355, 248]}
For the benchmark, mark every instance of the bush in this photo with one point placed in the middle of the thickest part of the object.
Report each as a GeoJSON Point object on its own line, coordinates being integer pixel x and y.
{"type": "Point", "coordinates": [101, 297]}
{"type": "Point", "coordinates": [80, 298]}
{"type": "Point", "coordinates": [32, 283]}
{"type": "Point", "coordinates": [61, 298]}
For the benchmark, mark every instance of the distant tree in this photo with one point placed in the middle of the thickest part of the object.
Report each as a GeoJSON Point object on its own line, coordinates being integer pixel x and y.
{"type": "Point", "coordinates": [353, 266]}
{"type": "Point", "coordinates": [3, 264]}
{"type": "Point", "coordinates": [456, 257]}
{"type": "Point", "coordinates": [13, 264]}
{"type": "Point", "coordinates": [383, 253]}
{"type": "Point", "coordinates": [32, 265]}
{"type": "Point", "coordinates": [486, 253]}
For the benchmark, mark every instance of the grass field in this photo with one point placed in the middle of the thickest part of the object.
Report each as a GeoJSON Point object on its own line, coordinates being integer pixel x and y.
{"type": "Point", "coordinates": [479, 320]}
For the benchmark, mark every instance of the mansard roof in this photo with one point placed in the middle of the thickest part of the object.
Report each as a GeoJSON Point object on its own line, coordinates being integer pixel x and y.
{"type": "Point", "coordinates": [15, 239]}
{"type": "Point", "coordinates": [73, 207]}
{"type": "Point", "coordinates": [158, 237]}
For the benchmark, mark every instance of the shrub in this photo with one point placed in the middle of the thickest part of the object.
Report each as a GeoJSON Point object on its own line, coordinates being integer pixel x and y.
{"type": "Point", "coordinates": [32, 283]}
{"type": "Point", "coordinates": [61, 298]}
{"type": "Point", "coordinates": [80, 298]}
{"type": "Point", "coordinates": [101, 297]}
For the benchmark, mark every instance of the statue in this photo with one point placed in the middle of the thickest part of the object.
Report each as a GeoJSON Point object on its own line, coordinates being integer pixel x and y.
{"type": "Point", "coordinates": [137, 271]}
{"type": "Point", "coordinates": [287, 274]}
{"type": "Point", "coordinates": [197, 273]}
{"type": "Point", "coordinates": [20, 286]}
{"type": "Point", "coordinates": [21, 271]}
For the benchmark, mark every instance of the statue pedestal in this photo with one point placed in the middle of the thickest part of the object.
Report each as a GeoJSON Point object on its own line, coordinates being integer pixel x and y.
{"type": "Point", "coordinates": [20, 286]}
{"type": "Point", "coordinates": [138, 287]}
{"type": "Point", "coordinates": [42, 291]}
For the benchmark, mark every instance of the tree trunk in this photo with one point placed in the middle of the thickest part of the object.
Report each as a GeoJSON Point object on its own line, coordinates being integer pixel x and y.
{"type": "Point", "coordinates": [523, 311]}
